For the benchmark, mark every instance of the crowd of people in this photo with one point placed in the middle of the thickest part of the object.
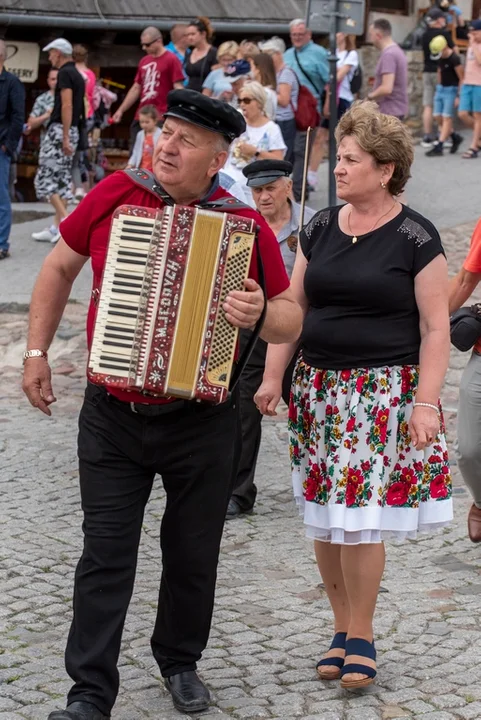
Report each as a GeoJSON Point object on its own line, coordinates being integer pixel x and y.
{"type": "Point", "coordinates": [282, 85]}
{"type": "Point", "coordinates": [355, 337]}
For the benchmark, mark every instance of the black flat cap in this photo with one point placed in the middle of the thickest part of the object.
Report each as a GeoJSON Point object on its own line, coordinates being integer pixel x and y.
{"type": "Point", "coordinates": [263, 172]}
{"type": "Point", "coordinates": [205, 112]}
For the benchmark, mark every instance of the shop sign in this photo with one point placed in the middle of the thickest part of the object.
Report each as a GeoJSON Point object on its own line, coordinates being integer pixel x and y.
{"type": "Point", "coordinates": [22, 60]}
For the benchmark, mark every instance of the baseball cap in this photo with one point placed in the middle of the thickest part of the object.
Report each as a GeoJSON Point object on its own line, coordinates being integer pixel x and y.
{"type": "Point", "coordinates": [435, 14]}
{"type": "Point", "coordinates": [238, 69]}
{"type": "Point", "coordinates": [436, 46]}
{"type": "Point", "coordinates": [475, 25]}
{"type": "Point", "coordinates": [61, 45]}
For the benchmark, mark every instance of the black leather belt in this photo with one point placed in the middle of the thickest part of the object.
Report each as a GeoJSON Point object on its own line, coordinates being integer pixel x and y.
{"type": "Point", "coordinates": [151, 409]}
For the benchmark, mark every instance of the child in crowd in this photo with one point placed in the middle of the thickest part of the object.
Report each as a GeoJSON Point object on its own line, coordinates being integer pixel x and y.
{"type": "Point", "coordinates": [450, 75]}
{"type": "Point", "coordinates": [470, 101]}
{"type": "Point", "coordinates": [146, 138]}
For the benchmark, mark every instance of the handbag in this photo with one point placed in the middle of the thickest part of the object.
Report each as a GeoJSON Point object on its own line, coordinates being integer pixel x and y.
{"type": "Point", "coordinates": [465, 327]}
{"type": "Point", "coordinates": [307, 113]}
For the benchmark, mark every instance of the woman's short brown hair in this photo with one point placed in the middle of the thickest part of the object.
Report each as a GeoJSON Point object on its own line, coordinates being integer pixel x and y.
{"type": "Point", "coordinates": [384, 137]}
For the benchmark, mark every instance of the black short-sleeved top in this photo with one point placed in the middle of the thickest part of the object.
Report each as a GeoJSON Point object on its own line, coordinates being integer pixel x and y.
{"type": "Point", "coordinates": [198, 71]}
{"type": "Point", "coordinates": [69, 77]}
{"type": "Point", "coordinates": [430, 65]}
{"type": "Point", "coordinates": [449, 76]}
{"type": "Point", "coordinates": [362, 308]}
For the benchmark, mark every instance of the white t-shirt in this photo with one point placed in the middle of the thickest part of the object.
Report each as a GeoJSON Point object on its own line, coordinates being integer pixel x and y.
{"type": "Point", "coordinates": [266, 137]}
{"type": "Point", "coordinates": [346, 57]}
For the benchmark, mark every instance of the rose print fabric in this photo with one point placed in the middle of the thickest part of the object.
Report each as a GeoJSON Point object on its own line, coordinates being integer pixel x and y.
{"type": "Point", "coordinates": [357, 477]}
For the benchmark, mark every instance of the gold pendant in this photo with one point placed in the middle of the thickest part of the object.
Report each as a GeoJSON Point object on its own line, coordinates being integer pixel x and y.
{"type": "Point", "coordinates": [354, 240]}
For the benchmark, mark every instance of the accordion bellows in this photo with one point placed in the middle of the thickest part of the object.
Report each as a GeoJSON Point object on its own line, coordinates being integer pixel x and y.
{"type": "Point", "coordinates": [160, 326]}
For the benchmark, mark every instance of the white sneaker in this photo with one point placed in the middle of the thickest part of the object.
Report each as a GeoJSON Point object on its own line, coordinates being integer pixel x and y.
{"type": "Point", "coordinates": [55, 238]}
{"type": "Point", "coordinates": [43, 236]}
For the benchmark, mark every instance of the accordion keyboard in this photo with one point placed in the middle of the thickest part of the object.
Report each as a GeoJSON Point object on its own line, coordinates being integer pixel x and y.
{"type": "Point", "coordinates": [114, 341]}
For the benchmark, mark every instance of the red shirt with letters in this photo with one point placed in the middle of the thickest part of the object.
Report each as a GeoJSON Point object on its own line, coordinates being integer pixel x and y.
{"type": "Point", "coordinates": [86, 231]}
{"type": "Point", "coordinates": [156, 77]}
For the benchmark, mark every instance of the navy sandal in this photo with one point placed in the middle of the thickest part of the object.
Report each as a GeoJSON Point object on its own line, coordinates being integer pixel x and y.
{"type": "Point", "coordinates": [358, 646]}
{"type": "Point", "coordinates": [338, 642]}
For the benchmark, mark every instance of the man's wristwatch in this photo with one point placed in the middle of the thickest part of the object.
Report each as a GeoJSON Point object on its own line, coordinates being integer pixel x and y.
{"type": "Point", "coordinates": [34, 354]}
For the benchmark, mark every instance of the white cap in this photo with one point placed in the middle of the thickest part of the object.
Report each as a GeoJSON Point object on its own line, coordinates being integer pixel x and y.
{"type": "Point", "coordinates": [274, 44]}
{"type": "Point", "coordinates": [61, 45]}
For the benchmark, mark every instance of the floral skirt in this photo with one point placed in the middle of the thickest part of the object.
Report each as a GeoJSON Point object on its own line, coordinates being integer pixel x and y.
{"type": "Point", "coordinates": [357, 477]}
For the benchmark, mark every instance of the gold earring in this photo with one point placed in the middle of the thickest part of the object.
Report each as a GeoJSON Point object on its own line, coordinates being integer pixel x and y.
{"type": "Point", "coordinates": [383, 185]}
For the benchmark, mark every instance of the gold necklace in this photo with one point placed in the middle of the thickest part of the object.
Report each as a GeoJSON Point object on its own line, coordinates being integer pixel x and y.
{"type": "Point", "coordinates": [354, 237]}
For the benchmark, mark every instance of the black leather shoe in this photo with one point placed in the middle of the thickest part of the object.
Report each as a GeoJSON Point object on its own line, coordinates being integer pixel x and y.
{"type": "Point", "coordinates": [234, 510]}
{"type": "Point", "coordinates": [78, 711]}
{"type": "Point", "coordinates": [189, 694]}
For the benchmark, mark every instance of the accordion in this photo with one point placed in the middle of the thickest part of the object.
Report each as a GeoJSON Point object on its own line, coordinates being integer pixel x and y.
{"type": "Point", "coordinates": [160, 326]}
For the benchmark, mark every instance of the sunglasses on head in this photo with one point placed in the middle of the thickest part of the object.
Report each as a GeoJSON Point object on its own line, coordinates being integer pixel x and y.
{"type": "Point", "coordinates": [246, 100]}
{"type": "Point", "coordinates": [144, 45]}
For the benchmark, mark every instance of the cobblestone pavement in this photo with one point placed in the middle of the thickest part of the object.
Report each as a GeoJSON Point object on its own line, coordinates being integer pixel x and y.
{"type": "Point", "coordinates": [272, 619]}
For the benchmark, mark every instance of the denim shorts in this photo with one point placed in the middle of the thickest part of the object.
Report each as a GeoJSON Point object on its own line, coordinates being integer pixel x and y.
{"type": "Point", "coordinates": [444, 100]}
{"type": "Point", "coordinates": [470, 98]}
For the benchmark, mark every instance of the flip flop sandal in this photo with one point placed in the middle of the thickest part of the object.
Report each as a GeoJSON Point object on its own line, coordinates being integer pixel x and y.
{"type": "Point", "coordinates": [339, 642]}
{"type": "Point", "coordinates": [470, 154]}
{"type": "Point", "coordinates": [358, 646]}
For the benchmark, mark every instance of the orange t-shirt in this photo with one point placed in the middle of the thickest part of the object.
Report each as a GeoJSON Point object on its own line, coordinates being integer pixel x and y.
{"type": "Point", "coordinates": [473, 262]}
{"type": "Point", "coordinates": [147, 152]}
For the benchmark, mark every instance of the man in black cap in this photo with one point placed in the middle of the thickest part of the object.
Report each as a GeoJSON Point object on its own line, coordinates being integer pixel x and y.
{"type": "Point", "coordinates": [436, 25]}
{"type": "Point", "coordinates": [126, 438]}
{"type": "Point", "coordinates": [271, 188]}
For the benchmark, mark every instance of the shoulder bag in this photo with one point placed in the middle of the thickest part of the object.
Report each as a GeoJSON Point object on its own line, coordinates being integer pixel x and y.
{"type": "Point", "coordinates": [307, 113]}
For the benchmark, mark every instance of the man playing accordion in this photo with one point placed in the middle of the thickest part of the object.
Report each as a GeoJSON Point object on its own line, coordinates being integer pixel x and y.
{"type": "Point", "coordinates": [126, 437]}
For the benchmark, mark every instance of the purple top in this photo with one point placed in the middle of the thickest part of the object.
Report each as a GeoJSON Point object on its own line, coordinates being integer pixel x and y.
{"type": "Point", "coordinates": [393, 60]}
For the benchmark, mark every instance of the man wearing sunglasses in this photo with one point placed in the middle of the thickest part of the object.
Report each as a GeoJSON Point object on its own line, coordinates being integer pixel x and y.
{"type": "Point", "coordinates": [158, 73]}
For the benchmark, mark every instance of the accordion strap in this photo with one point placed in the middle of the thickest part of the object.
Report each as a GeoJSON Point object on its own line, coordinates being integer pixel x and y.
{"type": "Point", "coordinates": [146, 180]}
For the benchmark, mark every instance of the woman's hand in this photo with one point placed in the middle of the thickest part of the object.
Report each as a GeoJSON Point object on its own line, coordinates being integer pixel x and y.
{"type": "Point", "coordinates": [423, 426]}
{"type": "Point", "coordinates": [268, 396]}
{"type": "Point", "coordinates": [247, 150]}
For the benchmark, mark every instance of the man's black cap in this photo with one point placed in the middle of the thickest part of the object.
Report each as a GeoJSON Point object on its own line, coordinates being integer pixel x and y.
{"type": "Point", "coordinates": [434, 14]}
{"type": "Point", "coordinates": [263, 172]}
{"type": "Point", "coordinates": [205, 112]}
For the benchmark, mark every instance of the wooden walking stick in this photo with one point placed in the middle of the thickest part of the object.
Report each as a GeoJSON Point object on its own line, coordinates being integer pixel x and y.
{"type": "Point", "coordinates": [304, 179]}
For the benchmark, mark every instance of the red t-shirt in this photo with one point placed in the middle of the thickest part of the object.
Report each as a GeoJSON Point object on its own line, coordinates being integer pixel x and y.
{"type": "Point", "coordinates": [157, 76]}
{"type": "Point", "coordinates": [86, 230]}
{"type": "Point", "coordinates": [473, 262]}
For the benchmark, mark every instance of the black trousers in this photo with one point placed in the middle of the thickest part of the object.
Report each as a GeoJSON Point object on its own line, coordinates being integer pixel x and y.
{"type": "Point", "coordinates": [289, 131]}
{"type": "Point", "coordinates": [194, 449]}
{"type": "Point", "coordinates": [245, 490]}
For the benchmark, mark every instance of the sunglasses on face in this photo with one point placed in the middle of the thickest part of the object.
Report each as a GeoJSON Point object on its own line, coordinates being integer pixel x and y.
{"type": "Point", "coordinates": [146, 45]}
{"type": "Point", "coordinates": [246, 100]}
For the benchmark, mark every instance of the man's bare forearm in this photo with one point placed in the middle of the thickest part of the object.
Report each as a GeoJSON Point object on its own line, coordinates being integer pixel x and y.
{"type": "Point", "coordinates": [66, 119]}
{"type": "Point", "coordinates": [48, 302]}
{"type": "Point", "coordinates": [283, 323]}
{"type": "Point", "coordinates": [132, 96]}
